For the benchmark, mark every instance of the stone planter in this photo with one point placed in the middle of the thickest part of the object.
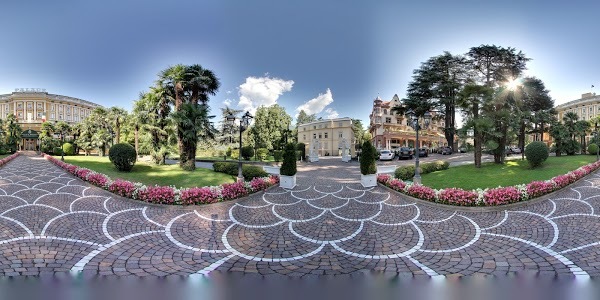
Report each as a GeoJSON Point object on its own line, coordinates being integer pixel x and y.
{"type": "Point", "coordinates": [272, 170]}
{"type": "Point", "coordinates": [368, 180]}
{"type": "Point", "coordinates": [287, 182]}
{"type": "Point", "coordinates": [346, 158]}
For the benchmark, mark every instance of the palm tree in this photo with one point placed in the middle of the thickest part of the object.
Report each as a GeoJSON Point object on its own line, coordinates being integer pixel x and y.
{"type": "Point", "coordinates": [570, 122]}
{"type": "Point", "coordinates": [192, 122]}
{"type": "Point", "coordinates": [201, 82]}
{"type": "Point", "coordinates": [116, 118]}
{"type": "Point", "coordinates": [583, 127]}
{"type": "Point", "coordinates": [13, 130]}
{"type": "Point", "coordinates": [472, 99]}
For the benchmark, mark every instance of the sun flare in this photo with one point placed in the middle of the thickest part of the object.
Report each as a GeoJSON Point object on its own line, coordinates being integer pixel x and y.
{"type": "Point", "coordinates": [512, 84]}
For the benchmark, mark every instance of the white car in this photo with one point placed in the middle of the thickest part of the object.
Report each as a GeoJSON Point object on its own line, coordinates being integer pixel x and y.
{"type": "Point", "coordinates": [386, 155]}
{"type": "Point", "coordinates": [515, 150]}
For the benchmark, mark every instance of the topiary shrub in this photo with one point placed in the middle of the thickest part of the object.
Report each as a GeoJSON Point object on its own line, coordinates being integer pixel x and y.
{"type": "Point", "coordinates": [278, 155]}
{"type": "Point", "coordinates": [262, 153]}
{"type": "Point", "coordinates": [68, 149]}
{"type": "Point", "coordinates": [301, 147]}
{"type": "Point", "coordinates": [57, 151]}
{"type": "Point", "coordinates": [288, 168]}
{"type": "Point", "coordinates": [405, 172]}
{"type": "Point", "coordinates": [228, 152]}
{"type": "Point", "coordinates": [536, 153]}
{"type": "Point", "coordinates": [123, 156]}
{"type": "Point", "coordinates": [367, 159]}
{"type": "Point", "coordinates": [235, 153]}
{"type": "Point", "coordinates": [592, 149]}
{"type": "Point", "coordinates": [247, 152]}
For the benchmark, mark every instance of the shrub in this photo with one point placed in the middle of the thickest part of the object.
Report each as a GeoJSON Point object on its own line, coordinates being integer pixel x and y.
{"type": "Point", "coordinates": [301, 147]}
{"type": "Point", "coordinates": [68, 149]}
{"type": "Point", "coordinates": [235, 154]}
{"type": "Point", "coordinates": [123, 156]}
{"type": "Point", "coordinates": [228, 152]}
{"type": "Point", "coordinates": [57, 151]}
{"type": "Point", "coordinates": [367, 159]}
{"type": "Point", "coordinates": [288, 168]}
{"type": "Point", "coordinates": [262, 153]}
{"type": "Point", "coordinates": [247, 152]}
{"type": "Point", "coordinates": [536, 153]}
{"type": "Point", "coordinates": [592, 149]}
{"type": "Point", "coordinates": [231, 168]}
{"type": "Point", "coordinates": [278, 155]}
{"type": "Point", "coordinates": [405, 172]}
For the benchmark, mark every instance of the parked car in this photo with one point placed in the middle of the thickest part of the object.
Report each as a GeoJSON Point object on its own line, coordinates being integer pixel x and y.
{"type": "Point", "coordinates": [515, 150]}
{"type": "Point", "coordinates": [386, 155]}
{"type": "Point", "coordinates": [405, 152]}
{"type": "Point", "coordinates": [462, 150]}
{"type": "Point", "coordinates": [446, 150]}
{"type": "Point", "coordinates": [423, 152]}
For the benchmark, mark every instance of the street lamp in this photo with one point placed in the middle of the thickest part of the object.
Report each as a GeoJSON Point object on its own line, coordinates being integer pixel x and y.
{"type": "Point", "coordinates": [244, 122]}
{"type": "Point", "coordinates": [596, 140]}
{"type": "Point", "coordinates": [415, 124]}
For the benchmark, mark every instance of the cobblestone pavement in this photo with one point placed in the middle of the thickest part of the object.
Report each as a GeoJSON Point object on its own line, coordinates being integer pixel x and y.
{"type": "Point", "coordinates": [328, 225]}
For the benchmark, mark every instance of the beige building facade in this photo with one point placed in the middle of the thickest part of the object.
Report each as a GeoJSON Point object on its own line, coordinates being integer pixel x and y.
{"type": "Point", "coordinates": [391, 131]}
{"type": "Point", "coordinates": [32, 107]}
{"type": "Point", "coordinates": [330, 135]}
{"type": "Point", "coordinates": [586, 108]}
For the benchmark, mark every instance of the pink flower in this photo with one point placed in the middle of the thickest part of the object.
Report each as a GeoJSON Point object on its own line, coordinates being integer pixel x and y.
{"type": "Point", "coordinates": [539, 188]}
{"type": "Point", "coordinates": [122, 188]}
{"type": "Point", "coordinates": [233, 190]}
{"type": "Point", "coordinates": [259, 184]}
{"type": "Point", "coordinates": [200, 195]}
{"type": "Point", "coordinates": [421, 192]}
{"type": "Point", "coordinates": [396, 184]}
{"type": "Point", "coordinates": [97, 179]}
{"type": "Point", "coordinates": [383, 178]}
{"type": "Point", "coordinates": [456, 196]}
{"type": "Point", "coordinates": [82, 173]}
{"type": "Point", "coordinates": [502, 195]}
{"type": "Point", "coordinates": [274, 179]}
{"type": "Point", "coordinates": [157, 194]}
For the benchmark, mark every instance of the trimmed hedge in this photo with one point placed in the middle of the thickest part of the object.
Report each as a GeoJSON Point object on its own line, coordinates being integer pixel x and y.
{"type": "Point", "coordinates": [262, 153]}
{"type": "Point", "coordinates": [367, 159]}
{"type": "Point", "coordinates": [68, 148]}
{"type": "Point", "coordinates": [592, 149]}
{"type": "Point", "coordinates": [123, 156]}
{"type": "Point", "coordinates": [288, 168]}
{"type": "Point", "coordinates": [536, 153]}
{"type": "Point", "coordinates": [247, 152]}
{"type": "Point", "coordinates": [407, 172]}
{"type": "Point", "coordinates": [231, 168]}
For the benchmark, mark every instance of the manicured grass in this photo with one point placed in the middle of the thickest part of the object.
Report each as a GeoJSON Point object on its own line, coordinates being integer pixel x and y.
{"type": "Point", "coordinates": [219, 158]}
{"type": "Point", "coordinates": [4, 155]}
{"type": "Point", "coordinates": [512, 172]}
{"type": "Point", "coordinates": [150, 174]}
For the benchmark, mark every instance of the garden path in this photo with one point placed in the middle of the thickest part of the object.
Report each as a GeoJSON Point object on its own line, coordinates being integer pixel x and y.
{"type": "Point", "coordinates": [52, 222]}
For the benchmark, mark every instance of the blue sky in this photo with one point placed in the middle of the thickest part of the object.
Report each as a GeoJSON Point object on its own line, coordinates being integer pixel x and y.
{"type": "Point", "coordinates": [329, 57]}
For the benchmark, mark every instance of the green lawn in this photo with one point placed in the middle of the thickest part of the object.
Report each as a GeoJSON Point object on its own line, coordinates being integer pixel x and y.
{"type": "Point", "coordinates": [511, 173]}
{"type": "Point", "coordinates": [151, 174]}
{"type": "Point", "coordinates": [268, 159]}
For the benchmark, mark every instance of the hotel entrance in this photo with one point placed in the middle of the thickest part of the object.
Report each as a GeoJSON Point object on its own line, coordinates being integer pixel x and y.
{"type": "Point", "coordinates": [30, 140]}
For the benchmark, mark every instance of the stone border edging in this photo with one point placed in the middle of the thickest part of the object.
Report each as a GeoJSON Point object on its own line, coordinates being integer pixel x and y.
{"type": "Point", "coordinates": [485, 208]}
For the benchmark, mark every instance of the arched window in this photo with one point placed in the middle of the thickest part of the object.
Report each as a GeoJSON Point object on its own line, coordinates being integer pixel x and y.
{"type": "Point", "coordinates": [385, 111]}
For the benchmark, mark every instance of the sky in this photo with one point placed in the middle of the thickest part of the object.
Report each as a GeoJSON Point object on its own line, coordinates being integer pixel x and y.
{"type": "Point", "coordinates": [331, 58]}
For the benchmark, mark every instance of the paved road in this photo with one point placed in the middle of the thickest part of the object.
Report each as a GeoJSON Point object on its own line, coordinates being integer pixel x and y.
{"type": "Point", "coordinates": [328, 225]}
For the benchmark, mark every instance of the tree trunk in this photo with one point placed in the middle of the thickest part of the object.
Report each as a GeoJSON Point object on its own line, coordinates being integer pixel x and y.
{"type": "Point", "coordinates": [477, 138]}
{"type": "Point", "coordinates": [522, 139]}
{"type": "Point", "coordinates": [180, 145]}
{"type": "Point", "coordinates": [118, 134]}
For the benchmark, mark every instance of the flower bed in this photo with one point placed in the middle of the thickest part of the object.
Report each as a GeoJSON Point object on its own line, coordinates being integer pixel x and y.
{"type": "Point", "coordinates": [8, 158]}
{"type": "Point", "coordinates": [487, 197]}
{"type": "Point", "coordinates": [165, 194]}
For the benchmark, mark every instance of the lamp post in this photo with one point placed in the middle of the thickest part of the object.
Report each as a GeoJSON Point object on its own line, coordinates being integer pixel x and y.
{"type": "Point", "coordinates": [244, 122]}
{"type": "Point", "coordinates": [596, 140]}
{"type": "Point", "coordinates": [415, 124]}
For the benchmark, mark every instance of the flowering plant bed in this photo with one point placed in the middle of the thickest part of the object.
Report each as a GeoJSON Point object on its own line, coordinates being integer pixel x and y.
{"type": "Point", "coordinates": [166, 194]}
{"type": "Point", "coordinates": [8, 158]}
{"type": "Point", "coordinates": [487, 197]}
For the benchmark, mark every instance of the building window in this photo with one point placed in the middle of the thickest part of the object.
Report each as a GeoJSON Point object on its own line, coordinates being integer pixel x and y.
{"type": "Point", "coordinates": [20, 115]}
{"type": "Point", "coordinates": [320, 136]}
{"type": "Point", "coordinates": [388, 120]}
{"type": "Point", "coordinates": [340, 124]}
{"type": "Point", "coordinates": [326, 135]}
{"type": "Point", "coordinates": [40, 105]}
{"type": "Point", "coordinates": [314, 136]}
{"type": "Point", "coordinates": [341, 135]}
{"type": "Point", "coordinates": [315, 127]}
{"type": "Point", "coordinates": [304, 137]}
{"type": "Point", "coordinates": [385, 111]}
{"type": "Point", "coordinates": [304, 129]}
{"type": "Point", "coordinates": [29, 106]}
{"type": "Point", "coordinates": [398, 121]}
{"type": "Point", "coordinates": [60, 117]}
{"type": "Point", "coordinates": [20, 105]}
{"type": "Point", "coordinates": [52, 116]}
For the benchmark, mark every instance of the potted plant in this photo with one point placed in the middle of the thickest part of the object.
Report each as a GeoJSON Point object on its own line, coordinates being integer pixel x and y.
{"type": "Point", "coordinates": [368, 169]}
{"type": "Point", "coordinates": [287, 179]}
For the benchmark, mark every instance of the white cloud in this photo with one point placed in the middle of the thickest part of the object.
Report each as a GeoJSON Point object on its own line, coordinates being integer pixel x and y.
{"type": "Point", "coordinates": [331, 113]}
{"type": "Point", "coordinates": [228, 92]}
{"type": "Point", "coordinates": [318, 104]}
{"type": "Point", "coordinates": [259, 91]}
{"type": "Point", "coordinates": [227, 102]}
